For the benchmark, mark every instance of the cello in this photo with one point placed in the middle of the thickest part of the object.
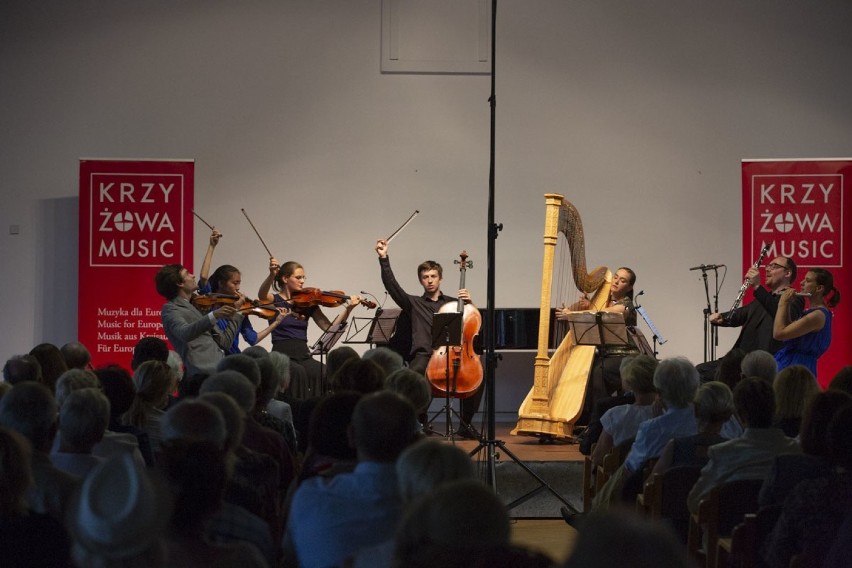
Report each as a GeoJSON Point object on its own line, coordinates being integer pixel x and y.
{"type": "Point", "coordinates": [456, 370]}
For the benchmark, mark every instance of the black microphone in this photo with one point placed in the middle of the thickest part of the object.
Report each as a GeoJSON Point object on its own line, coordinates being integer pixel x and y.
{"type": "Point", "coordinates": [380, 308]}
{"type": "Point", "coordinates": [640, 293]}
{"type": "Point", "coordinates": [708, 267]}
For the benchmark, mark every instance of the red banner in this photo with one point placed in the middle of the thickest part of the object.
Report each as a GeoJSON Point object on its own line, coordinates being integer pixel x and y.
{"type": "Point", "coordinates": [799, 208]}
{"type": "Point", "coordinates": [135, 216]}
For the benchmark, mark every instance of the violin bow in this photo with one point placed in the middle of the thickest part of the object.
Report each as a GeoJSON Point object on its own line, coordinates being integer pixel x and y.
{"type": "Point", "coordinates": [200, 218]}
{"type": "Point", "coordinates": [395, 233]}
{"type": "Point", "coordinates": [256, 233]}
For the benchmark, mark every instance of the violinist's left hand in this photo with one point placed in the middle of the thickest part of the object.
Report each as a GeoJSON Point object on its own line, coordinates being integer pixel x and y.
{"type": "Point", "coordinates": [464, 294]}
{"type": "Point", "coordinates": [282, 313]}
{"type": "Point", "coordinates": [353, 301]}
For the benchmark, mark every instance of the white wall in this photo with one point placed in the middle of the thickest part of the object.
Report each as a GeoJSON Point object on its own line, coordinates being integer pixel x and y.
{"type": "Point", "coordinates": [639, 112]}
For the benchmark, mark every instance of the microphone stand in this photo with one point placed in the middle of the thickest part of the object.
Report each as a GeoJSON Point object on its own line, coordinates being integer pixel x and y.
{"type": "Point", "coordinates": [711, 333]}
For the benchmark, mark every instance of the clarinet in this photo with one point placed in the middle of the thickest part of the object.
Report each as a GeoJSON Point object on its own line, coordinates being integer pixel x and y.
{"type": "Point", "coordinates": [746, 284]}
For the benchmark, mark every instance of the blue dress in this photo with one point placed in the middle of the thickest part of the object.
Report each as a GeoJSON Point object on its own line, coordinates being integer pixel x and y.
{"type": "Point", "coordinates": [805, 350]}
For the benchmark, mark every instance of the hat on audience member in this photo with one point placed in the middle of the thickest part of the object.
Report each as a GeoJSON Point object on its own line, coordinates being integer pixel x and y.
{"type": "Point", "coordinates": [119, 511]}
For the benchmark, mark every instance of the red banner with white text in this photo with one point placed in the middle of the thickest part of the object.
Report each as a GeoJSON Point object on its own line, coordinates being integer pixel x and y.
{"type": "Point", "coordinates": [800, 207]}
{"type": "Point", "coordinates": [135, 216]}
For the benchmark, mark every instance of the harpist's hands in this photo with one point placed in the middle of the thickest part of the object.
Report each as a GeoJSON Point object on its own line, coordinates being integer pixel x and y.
{"type": "Point", "coordinates": [562, 313]}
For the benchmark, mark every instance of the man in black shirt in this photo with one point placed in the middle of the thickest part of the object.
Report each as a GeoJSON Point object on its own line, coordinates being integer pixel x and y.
{"type": "Point", "coordinates": [420, 311]}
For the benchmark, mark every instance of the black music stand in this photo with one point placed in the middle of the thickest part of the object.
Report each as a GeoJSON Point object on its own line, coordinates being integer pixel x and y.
{"type": "Point", "coordinates": [448, 332]}
{"type": "Point", "coordinates": [604, 330]}
{"type": "Point", "coordinates": [324, 344]}
{"type": "Point", "coordinates": [378, 329]}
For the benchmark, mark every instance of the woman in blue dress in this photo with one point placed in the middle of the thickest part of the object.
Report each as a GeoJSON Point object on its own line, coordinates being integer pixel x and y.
{"type": "Point", "coordinates": [808, 337]}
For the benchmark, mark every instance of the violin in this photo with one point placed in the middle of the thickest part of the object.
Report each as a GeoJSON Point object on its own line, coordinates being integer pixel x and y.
{"type": "Point", "coordinates": [310, 297]}
{"type": "Point", "coordinates": [248, 307]}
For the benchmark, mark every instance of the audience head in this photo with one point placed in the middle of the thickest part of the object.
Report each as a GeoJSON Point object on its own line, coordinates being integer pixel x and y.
{"type": "Point", "coordinates": [330, 423]}
{"type": "Point", "coordinates": [15, 473]}
{"type": "Point", "coordinates": [794, 388]}
{"type": "Point", "coordinates": [427, 464]}
{"type": "Point", "coordinates": [813, 435]}
{"type": "Point", "coordinates": [119, 515]}
{"type": "Point", "coordinates": [269, 382]}
{"type": "Point", "coordinates": [761, 364]}
{"type": "Point", "coordinates": [83, 419]}
{"type": "Point", "coordinates": [281, 364]}
{"type": "Point", "coordinates": [149, 349]}
{"type": "Point", "coordinates": [51, 361]}
{"type": "Point", "coordinates": [383, 425]}
{"type": "Point", "coordinates": [74, 379]}
{"type": "Point", "coordinates": [117, 385]}
{"type": "Point", "coordinates": [243, 364]}
{"type": "Point", "coordinates": [175, 363]}
{"type": "Point", "coordinates": [232, 414]}
{"type": "Point", "coordinates": [730, 367]}
{"type": "Point", "coordinates": [358, 375]}
{"type": "Point", "coordinates": [76, 355]}
{"type": "Point", "coordinates": [22, 368]}
{"type": "Point", "coordinates": [154, 382]}
{"type": "Point", "coordinates": [714, 403]}
{"type": "Point", "coordinates": [620, 537]}
{"type": "Point", "coordinates": [193, 421]}
{"type": "Point", "coordinates": [337, 357]}
{"type": "Point", "coordinates": [388, 359]}
{"type": "Point", "coordinates": [839, 440]}
{"type": "Point", "coordinates": [460, 520]}
{"type": "Point", "coordinates": [842, 380]}
{"type": "Point", "coordinates": [676, 380]}
{"type": "Point", "coordinates": [754, 402]}
{"type": "Point", "coordinates": [30, 409]}
{"type": "Point", "coordinates": [412, 386]}
{"type": "Point", "coordinates": [256, 352]}
{"type": "Point", "coordinates": [637, 374]}
{"type": "Point", "coordinates": [235, 385]}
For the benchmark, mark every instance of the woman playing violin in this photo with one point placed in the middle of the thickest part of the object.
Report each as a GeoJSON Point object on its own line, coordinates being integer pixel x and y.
{"type": "Point", "coordinates": [226, 280]}
{"type": "Point", "coordinates": [283, 283]}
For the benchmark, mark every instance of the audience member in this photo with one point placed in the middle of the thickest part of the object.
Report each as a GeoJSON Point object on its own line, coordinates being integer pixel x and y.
{"type": "Point", "coordinates": [30, 409]}
{"type": "Point", "coordinates": [337, 357]}
{"type": "Point", "coordinates": [676, 380]}
{"type": "Point", "coordinates": [794, 388]}
{"type": "Point", "coordinates": [29, 539]}
{"type": "Point", "coordinates": [119, 516]}
{"type": "Point", "coordinates": [620, 538]}
{"type": "Point", "coordinates": [22, 368]}
{"type": "Point", "coordinates": [359, 375]}
{"type": "Point", "coordinates": [730, 367]}
{"type": "Point", "coordinates": [51, 361]}
{"type": "Point", "coordinates": [815, 510]}
{"type": "Point", "coordinates": [83, 419]}
{"type": "Point", "coordinates": [197, 425]}
{"type": "Point", "coordinates": [749, 456]}
{"type": "Point", "coordinates": [194, 461]}
{"type": "Point", "coordinates": [388, 359]}
{"type": "Point", "coordinates": [620, 423]}
{"type": "Point", "coordinates": [331, 519]}
{"type": "Point", "coordinates": [149, 349]}
{"type": "Point", "coordinates": [714, 404]}
{"type": "Point", "coordinates": [789, 469]}
{"type": "Point", "coordinates": [117, 385]}
{"type": "Point", "coordinates": [411, 386]}
{"type": "Point", "coordinates": [76, 355]}
{"type": "Point", "coordinates": [456, 525]}
{"type": "Point", "coordinates": [154, 382]}
{"type": "Point", "coordinates": [74, 379]}
{"type": "Point", "coordinates": [842, 380]}
{"type": "Point", "coordinates": [266, 390]}
{"type": "Point", "coordinates": [761, 364]}
{"type": "Point", "coordinates": [277, 407]}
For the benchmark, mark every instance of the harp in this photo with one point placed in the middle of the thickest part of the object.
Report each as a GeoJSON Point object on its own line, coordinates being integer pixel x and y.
{"type": "Point", "coordinates": [559, 385]}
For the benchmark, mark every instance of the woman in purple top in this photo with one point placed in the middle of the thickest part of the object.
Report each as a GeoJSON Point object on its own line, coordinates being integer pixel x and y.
{"type": "Point", "coordinates": [808, 337]}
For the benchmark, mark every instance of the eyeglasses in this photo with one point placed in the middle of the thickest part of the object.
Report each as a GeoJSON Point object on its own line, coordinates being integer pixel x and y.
{"type": "Point", "coordinates": [774, 266]}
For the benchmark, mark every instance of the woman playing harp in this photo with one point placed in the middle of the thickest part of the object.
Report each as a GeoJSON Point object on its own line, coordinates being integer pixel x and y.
{"type": "Point", "coordinates": [557, 398]}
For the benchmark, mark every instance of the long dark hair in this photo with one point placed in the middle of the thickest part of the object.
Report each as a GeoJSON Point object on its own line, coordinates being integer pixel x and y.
{"type": "Point", "coordinates": [222, 274]}
{"type": "Point", "coordinates": [286, 270]}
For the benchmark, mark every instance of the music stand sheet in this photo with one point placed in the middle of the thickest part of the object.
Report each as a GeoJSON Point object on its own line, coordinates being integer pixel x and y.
{"type": "Point", "coordinates": [598, 328]}
{"type": "Point", "coordinates": [328, 339]}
